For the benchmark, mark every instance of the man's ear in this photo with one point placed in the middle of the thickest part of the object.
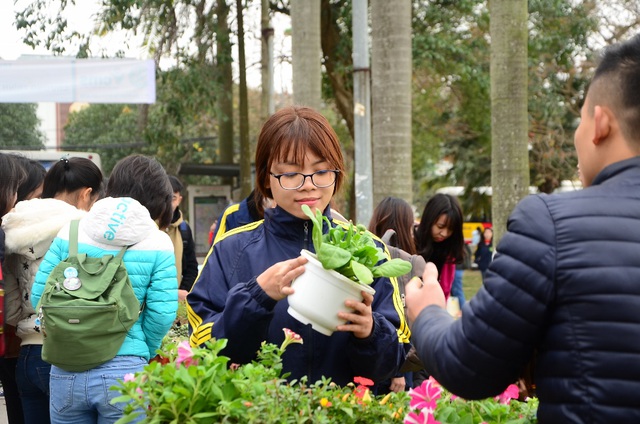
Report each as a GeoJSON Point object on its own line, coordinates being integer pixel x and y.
{"type": "Point", "coordinates": [602, 127]}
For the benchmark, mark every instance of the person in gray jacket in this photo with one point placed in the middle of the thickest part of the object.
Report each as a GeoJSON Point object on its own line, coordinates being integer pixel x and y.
{"type": "Point", "coordinates": [564, 287]}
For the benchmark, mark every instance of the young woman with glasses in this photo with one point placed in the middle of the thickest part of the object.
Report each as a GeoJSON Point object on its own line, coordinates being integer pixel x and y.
{"type": "Point", "coordinates": [241, 293]}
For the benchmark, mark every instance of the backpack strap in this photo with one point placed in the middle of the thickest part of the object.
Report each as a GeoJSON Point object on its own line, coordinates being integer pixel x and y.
{"type": "Point", "coordinates": [121, 252]}
{"type": "Point", "coordinates": [184, 234]}
{"type": "Point", "coordinates": [73, 241]}
{"type": "Point", "coordinates": [73, 238]}
{"type": "Point", "coordinates": [388, 237]}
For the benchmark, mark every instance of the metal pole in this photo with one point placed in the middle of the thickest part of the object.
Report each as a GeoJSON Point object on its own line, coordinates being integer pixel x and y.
{"type": "Point", "coordinates": [362, 113]}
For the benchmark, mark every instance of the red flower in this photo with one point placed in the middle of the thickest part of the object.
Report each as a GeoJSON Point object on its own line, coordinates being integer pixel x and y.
{"type": "Point", "coordinates": [363, 381]}
{"type": "Point", "coordinates": [163, 360]}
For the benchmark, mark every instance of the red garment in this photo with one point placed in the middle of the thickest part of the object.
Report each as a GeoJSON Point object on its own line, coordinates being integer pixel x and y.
{"type": "Point", "coordinates": [446, 278]}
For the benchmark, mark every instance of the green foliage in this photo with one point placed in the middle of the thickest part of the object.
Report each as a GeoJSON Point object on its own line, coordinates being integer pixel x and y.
{"type": "Point", "coordinates": [198, 385]}
{"type": "Point", "coordinates": [110, 130]}
{"type": "Point", "coordinates": [175, 129]}
{"type": "Point", "coordinates": [451, 56]}
{"type": "Point", "coordinates": [351, 251]}
{"type": "Point", "coordinates": [51, 30]}
{"type": "Point", "coordinates": [559, 35]}
{"type": "Point", "coordinates": [455, 410]}
{"type": "Point", "coordinates": [208, 390]}
{"type": "Point", "coordinates": [451, 53]}
{"type": "Point", "coordinates": [450, 106]}
{"type": "Point", "coordinates": [19, 127]}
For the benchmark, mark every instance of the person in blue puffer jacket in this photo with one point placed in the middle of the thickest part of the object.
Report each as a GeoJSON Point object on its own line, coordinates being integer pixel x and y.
{"type": "Point", "coordinates": [139, 194]}
{"type": "Point", "coordinates": [564, 286]}
{"type": "Point", "coordinates": [241, 292]}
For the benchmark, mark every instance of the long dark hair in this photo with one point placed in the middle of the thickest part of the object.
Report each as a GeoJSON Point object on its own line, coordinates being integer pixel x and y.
{"type": "Point", "coordinates": [450, 249]}
{"type": "Point", "coordinates": [395, 214]}
{"type": "Point", "coordinates": [11, 176]}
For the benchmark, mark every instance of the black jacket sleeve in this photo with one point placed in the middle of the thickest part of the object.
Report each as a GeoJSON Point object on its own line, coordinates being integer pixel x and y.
{"type": "Point", "coordinates": [189, 260]}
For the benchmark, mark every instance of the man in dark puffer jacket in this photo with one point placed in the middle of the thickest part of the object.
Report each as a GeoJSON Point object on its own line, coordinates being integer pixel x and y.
{"type": "Point", "coordinates": [565, 281]}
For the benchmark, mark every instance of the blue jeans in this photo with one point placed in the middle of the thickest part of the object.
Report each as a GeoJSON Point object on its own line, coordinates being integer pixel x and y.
{"type": "Point", "coordinates": [456, 287]}
{"type": "Point", "coordinates": [32, 378]}
{"type": "Point", "coordinates": [85, 398]}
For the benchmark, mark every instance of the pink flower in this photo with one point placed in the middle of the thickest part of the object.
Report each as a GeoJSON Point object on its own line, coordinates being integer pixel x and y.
{"type": "Point", "coordinates": [425, 396]}
{"type": "Point", "coordinates": [512, 392]}
{"type": "Point", "coordinates": [129, 377]}
{"type": "Point", "coordinates": [185, 354]}
{"type": "Point", "coordinates": [423, 417]}
{"type": "Point", "coordinates": [289, 338]}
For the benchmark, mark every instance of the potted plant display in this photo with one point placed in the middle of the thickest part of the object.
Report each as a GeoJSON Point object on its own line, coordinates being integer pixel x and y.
{"type": "Point", "coordinates": [345, 264]}
{"type": "Point", "coordinates": [198, 385]}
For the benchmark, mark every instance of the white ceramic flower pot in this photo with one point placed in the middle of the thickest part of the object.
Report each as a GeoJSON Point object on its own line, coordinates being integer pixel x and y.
{"type": "Point", "coordinates": [320, 294]}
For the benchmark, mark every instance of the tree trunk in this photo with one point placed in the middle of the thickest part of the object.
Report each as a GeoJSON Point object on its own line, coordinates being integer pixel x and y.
{"type": "Point", "coordinates": [333, 63]}
{"type": "Point", "coordinates": [509, 120]}
{"type": "Point", "coordinates": [225, 98]}
{"type": "Point", "coordinates": [306, 53]}
{"type": "Point", "coordinates": [245, 147]}
{"type": "Point", "coordinates": [391, 99]}
{"type": "Point", "coordinates": [268, 106]}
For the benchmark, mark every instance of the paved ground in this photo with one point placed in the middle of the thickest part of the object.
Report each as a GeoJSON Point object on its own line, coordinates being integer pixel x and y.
{"type": "Point", "coordinates": [3, 412]}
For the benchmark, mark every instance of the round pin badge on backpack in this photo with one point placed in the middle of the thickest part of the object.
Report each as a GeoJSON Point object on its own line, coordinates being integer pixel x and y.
{"type": "Point", "coordinates": [70, 272]}
{"type": "Point", "coordinates": [71, 281]}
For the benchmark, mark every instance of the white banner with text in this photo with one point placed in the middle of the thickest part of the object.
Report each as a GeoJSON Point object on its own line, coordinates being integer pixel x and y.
{"type": "Point", "coordinates": [63, 80]}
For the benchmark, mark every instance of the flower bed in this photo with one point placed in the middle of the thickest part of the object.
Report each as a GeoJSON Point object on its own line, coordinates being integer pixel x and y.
{"type": "Point", "coordinates": [198, 385]}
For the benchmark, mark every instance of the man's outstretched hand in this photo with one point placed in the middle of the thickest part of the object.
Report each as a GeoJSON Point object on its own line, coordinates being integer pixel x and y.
{"type": "Point", "coordinates": [420, 294]}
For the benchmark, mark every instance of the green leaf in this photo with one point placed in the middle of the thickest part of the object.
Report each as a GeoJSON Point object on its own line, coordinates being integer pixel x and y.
{"type": "Point", "coordinates": [393, 268]}
{"type": "Point", "coordinates": [362, 273]}
{"type": "Point", "coordinates": [316, 231]}
{"type": "Point", "coordinates": [332, 257]}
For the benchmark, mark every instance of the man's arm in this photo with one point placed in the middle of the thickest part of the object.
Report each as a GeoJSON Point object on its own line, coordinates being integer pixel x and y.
{"type": "Point", "coordinates": [485, 350]}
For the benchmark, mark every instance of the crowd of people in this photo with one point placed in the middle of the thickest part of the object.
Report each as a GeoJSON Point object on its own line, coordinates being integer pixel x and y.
{"type": "Point", "coordinates": [559, 291]}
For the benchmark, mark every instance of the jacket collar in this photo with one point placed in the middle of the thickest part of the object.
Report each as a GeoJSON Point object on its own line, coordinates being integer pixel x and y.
{"type": "Point", "coordinates": [282, 224]}
{"type": "Point", "coordinates": [617, 168]}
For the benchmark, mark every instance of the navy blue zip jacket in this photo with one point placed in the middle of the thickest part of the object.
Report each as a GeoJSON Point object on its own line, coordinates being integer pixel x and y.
{"type": "Point", "coordinates": [227, 302]}
{"type": "Point", "coordinates": [565, 282]}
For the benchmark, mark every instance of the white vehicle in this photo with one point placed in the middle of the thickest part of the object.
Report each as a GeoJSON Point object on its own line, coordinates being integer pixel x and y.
{"type": "Point", "coordinates": [49, 157]}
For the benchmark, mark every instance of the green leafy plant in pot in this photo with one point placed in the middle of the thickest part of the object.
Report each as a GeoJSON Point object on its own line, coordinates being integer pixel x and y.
{"type": "Point", "coordinates": [351, 251]}
{"type": "Point", "coordinates": [344, 265]}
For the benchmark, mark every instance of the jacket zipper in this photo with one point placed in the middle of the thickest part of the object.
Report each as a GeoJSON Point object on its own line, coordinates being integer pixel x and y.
{"type": "Point", "coordinates": [306, 235]}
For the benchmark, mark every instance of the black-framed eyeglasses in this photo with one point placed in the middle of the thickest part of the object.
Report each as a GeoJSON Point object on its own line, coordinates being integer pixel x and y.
{"type": "Point", "coordinates": [295, 180]}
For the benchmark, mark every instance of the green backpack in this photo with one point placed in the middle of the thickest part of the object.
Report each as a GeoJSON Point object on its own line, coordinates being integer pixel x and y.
{"type": "Point", "coordinates": [87, 308]}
